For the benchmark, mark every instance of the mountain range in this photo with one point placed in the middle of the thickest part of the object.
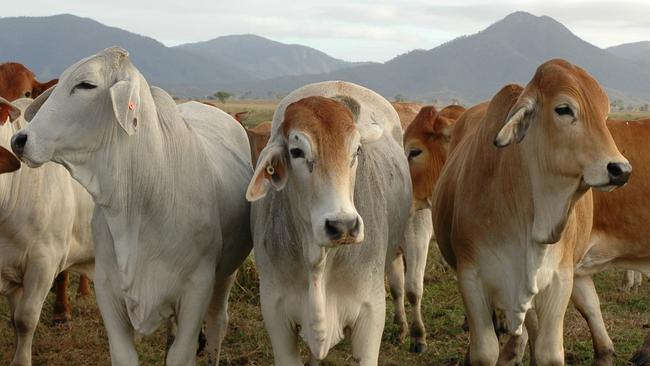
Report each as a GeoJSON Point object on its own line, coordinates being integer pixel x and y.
{"type": "Point", "coordinates": [467, 69]}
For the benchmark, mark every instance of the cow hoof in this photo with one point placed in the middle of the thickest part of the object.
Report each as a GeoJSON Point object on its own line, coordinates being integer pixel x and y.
{"type": "Point", "coordinates": [606, 359]}
{"type": "Point", "coordinates": [640, 358]}
{"type": "Point", "coordinates": [58, 319]}
{"type": "Point", "coordinates": [418, 347]}
{"type": "Point", "coordinates": [202, 342]}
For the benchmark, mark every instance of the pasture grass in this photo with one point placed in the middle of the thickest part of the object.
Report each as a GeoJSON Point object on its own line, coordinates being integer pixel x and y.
{"type": "Point", "coordinates": [83, 341]}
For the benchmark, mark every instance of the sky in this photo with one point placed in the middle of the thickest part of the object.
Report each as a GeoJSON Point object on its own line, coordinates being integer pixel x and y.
{"type": "Point", "coordinates": [353, 30]}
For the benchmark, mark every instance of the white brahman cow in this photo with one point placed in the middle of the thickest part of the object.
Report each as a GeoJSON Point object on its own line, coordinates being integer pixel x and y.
{"type": "Point", "coordinates": [171, 223]}
{"type": "Point", "coordinates": [333, 196]}
{"type": "Point", "coordinates": [44, 229]}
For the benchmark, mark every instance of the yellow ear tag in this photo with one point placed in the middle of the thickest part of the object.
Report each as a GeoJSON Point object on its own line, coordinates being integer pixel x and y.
{"type": "Point", "coordinates": [270, 170]}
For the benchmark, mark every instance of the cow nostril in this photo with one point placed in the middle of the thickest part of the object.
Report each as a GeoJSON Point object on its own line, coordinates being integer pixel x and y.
{"type": "Point", "coordinates": [619, 173]}
{"type": "Point", "coordinates": [333, 229]}
{"type": "Point", "coordinates": [614, 169]}
{"type": "Point", "coordinates": [354, 229]}
{"type": "Point", "coordinates": [18, 142]}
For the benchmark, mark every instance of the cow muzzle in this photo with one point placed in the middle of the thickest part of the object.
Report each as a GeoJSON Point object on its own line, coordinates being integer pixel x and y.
{"type": "Point", "coordinates": [344, 229]}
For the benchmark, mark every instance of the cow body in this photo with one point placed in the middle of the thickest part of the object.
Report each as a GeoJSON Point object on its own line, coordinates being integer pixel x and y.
{"type": "Point", "coordinates": [326, 292]}
{"type": "Point", "coordinates": [620, 235]}
{"type": "Point", "coordinates": [426, 144]}
{"type": "Point", "coordinates": [169, 189]}
{"type": "Point", "coordinates": [514, 222]}
{"type": "Point", "coordinates": [44, 229]}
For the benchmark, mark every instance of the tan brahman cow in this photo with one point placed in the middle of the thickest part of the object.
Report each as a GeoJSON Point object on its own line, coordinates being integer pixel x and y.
{"type": "Point", "coordinates": [44, 229]}
{"type": "Point", "coordinates": [512, 210]}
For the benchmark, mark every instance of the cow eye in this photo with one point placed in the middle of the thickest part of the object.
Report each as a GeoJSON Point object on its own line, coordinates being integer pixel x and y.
{"type": "Point", "coordinates": [28, 94]}
{"type": "Point", "coordinates": [564, 110]}
{"type": "Point", "coordinates": [296, 153]}
{"type": "Point", "coordinates": [85, 85]}
{"type": "Point", "coordinates": [414, 153]}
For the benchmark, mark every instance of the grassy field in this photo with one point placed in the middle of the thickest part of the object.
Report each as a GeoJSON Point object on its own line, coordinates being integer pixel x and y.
{"type": "Point", "coordinates": [258, 111]}
{"type": "Point", "coordinates": [83, 341]}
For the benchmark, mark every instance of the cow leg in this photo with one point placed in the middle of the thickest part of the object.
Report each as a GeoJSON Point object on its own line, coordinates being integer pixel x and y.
{"type": "Point", "coordinates": [416, 249]}
{"type": "Point", "coordinates": [532, 328]}
{"type": "Point", "coordinates": [642, 356]}
{"type": "Point", "coordinates": [282, 333]}
{"type": "Point", "coordinates": [550, 305]}
{"type": "Point", "coordinates": [367, 331]}
{"type": "Point", "coordinates": [84, 287]}
{"type": "Point", "coordinates": [217, 318]}
{"type": "Point", "coordinates": [117, 323]}
{"type": "Point", "coordinates": [191, 311]}
{"type": "Point", "coordinates": [396, 282]}
{"type": "Point", "coordinates": [585, 299]}
{"type": "Point", "coordinates": [28, 306]}
{"type": "Point", "coordinates": [512, 353]}
{"type": "Point", "coordinates": [61, 313]}
{"type": "Point", "coordinates": [483, 341]}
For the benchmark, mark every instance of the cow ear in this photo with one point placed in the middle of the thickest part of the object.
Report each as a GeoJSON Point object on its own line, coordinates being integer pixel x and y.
{"type": "Point", "coordinates": [272, 170]}
{"type": "Point", "coordinates": [33, 108]}
{"type": "Point", "coordinates": [8, 162]}
{"type": "Point", "coordinates": [39, 88]}
{"type": "Point", "coordinates": [368, 128]}
{"type": "Point", "coordinates": [8, 111]}
{"type": "Point", "coordinates": [126, 103]}
{"type": "Point", "coordinates": [517, 121]}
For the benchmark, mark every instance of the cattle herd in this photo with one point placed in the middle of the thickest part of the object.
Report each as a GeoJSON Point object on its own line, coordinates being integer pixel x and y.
{"type": "Point", "coordinates": [161, 203]}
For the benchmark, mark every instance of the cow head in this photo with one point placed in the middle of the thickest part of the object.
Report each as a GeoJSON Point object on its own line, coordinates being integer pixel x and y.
{"type": "Point", "coordinates": [563, 111]}
{"type": "Point", "coordinates": [96, 100]}
{"type": "Point", "coordinates": [314, 155]}
{"type": "Point", "coordinates": [17, 81]}
{"type": "Point", "coordinates": [426, 143]}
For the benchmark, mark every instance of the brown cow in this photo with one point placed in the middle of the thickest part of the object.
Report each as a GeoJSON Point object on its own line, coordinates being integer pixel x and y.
{"type": "Point", "coordinates": [620, 236]}
{"type": "Point", "coordinates": [17, 81]}
{"type": "Point", "coordinates": [406, 112]}
{"type": "Point", "coordinates": [514, 221]}
{"type": "Point", "coordinates": [258, 137]}
{"type": "Point", "coordinates": [426, 142]}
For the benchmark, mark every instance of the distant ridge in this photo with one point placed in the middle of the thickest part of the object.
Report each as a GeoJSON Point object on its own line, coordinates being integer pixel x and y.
{"type": "Point", "coordinates": [468, 69]}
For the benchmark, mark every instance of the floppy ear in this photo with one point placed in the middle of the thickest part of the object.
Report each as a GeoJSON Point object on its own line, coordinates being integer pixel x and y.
{"type": "Point", "coordinates": [444, 127]}
{"type": "Point", "coordinates": [271, 170]}
{"type": "Point", "coordinates": [8, 162]}
{"type": "Point", "coordinates": [8, 110]}
{"type": "Point", "coordinates": [33, 108]}
{"type": "Point", "coordinates": [39, 88]}
{"type": "Point", "coordinates": [126, 103]}
{"type": "Point", "coordinates": [517, 122]}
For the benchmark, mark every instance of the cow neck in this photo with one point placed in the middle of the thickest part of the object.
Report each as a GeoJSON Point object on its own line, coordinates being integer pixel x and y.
{"type": "Point", "coordinates": [315, 261]}
{"type": "Point", "coordinates": [142, 173]}
{"type": "Point", "coordinates": [553, 195]}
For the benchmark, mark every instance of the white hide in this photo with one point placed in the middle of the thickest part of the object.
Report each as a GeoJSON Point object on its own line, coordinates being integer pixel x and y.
{"type": "Point", "coordinates": [44, 229]}
{"type": "Point", "coordinates": [171, 222]}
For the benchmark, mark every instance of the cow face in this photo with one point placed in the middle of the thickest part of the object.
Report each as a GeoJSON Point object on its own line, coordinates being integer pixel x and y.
{"type": "Point", "coordinates": [17, 81]}
{"type": "Point", "coordinates": [95, 101]}
{"type": "Point", "coordinates": [315, 155]}
{"type": "Point", "coordinates": [568, 110]}
{"type": "Point", "coordinates": [426, 144]}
